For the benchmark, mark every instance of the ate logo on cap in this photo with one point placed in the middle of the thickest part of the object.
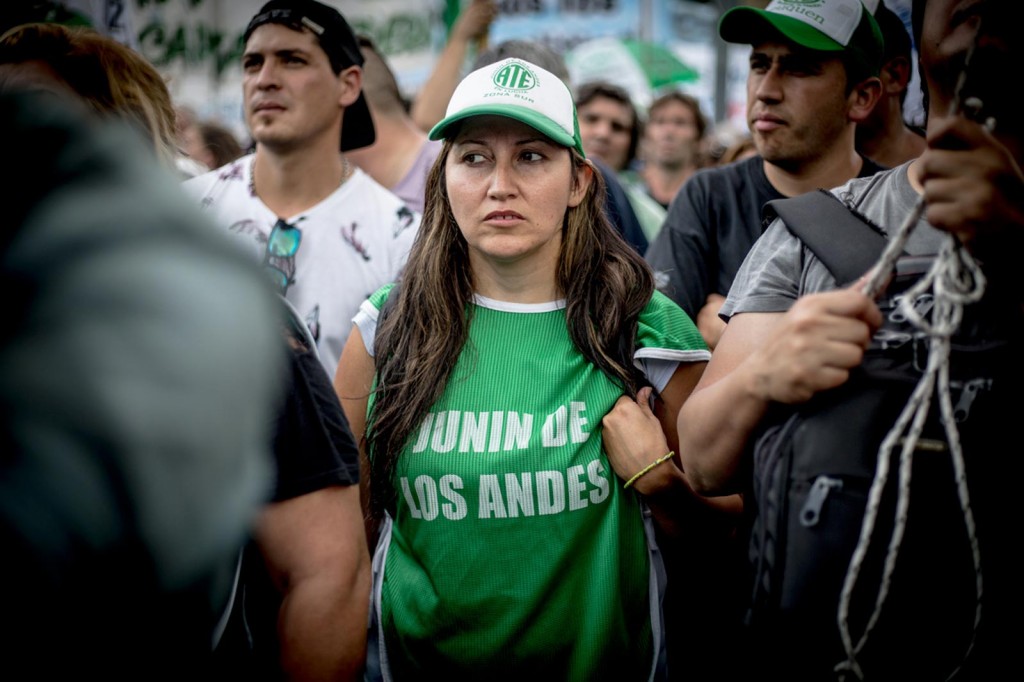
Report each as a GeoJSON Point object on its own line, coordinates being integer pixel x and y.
{"type": "Point", "coordinates": [515, 76]}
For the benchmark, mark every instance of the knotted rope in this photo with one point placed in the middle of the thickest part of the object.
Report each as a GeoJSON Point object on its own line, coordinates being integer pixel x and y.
{"type": "Point", "coordinates": [954, 280]}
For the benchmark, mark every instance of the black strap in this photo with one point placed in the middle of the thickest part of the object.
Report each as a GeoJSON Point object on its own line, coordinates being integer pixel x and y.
{"type": "Point", "coordinates": [845, 241]}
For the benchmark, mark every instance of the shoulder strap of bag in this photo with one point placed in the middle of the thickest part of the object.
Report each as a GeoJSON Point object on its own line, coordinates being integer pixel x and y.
{"type": "Point", "coordinates": [845, 241]}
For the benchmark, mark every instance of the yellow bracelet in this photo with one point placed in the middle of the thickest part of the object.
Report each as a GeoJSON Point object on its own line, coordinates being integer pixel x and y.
{"type": "Point", "coordinates": [663, 458]}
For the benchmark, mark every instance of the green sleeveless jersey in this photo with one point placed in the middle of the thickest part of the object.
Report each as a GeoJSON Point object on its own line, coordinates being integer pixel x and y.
{"type": "Point", "coordinates": [514, 552]}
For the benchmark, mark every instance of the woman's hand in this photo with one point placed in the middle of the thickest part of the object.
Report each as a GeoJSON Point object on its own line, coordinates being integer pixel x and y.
{"type": "Point", "coordinates": [633, 439]}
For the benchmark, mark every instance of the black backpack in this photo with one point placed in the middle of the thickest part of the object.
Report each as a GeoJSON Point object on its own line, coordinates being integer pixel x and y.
{"type": "Point", "coordinates": [813, 465]}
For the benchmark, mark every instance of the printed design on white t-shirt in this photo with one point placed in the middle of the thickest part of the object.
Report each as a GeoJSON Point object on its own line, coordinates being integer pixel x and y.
{"type": "Point", "coordinates": [282, 267]}
{"type": "Point", "coordinates": [405, 220]}
{"type": "Point", "coordinates": [348, 235]}
{"type": "Point", "coordinates": [313, 322]}
{"type": "Point", "coordinates": [353, 242]}
{"type": "Point", "coordinates": [228, 173]}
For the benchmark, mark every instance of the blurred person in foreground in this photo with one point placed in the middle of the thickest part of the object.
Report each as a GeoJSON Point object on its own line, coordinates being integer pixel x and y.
{"type": "Point", "coordinates": [300, 604]}
{"type": "Point", "coordinates": [135, 426]}
{"type": "Point", "coordinates": [303, 578]}
{"type": "Point", "coordinates": [112, 79]}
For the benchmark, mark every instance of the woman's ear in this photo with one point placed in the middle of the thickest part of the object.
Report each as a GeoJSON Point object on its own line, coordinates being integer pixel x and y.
{"type": "Point", "coordinates": [584, 176]}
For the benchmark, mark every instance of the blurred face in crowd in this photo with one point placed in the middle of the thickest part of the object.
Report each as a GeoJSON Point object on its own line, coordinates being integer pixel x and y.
{"type": "Point", "coordinates": [194, 147]}
{"type": "Point", "coordinates": [671, 136]}
{"type": "Point", "coordinates": [605, 126]}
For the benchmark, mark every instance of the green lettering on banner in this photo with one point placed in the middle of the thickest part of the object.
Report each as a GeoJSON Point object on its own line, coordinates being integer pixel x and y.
{"type": "Point", "coordinates": [398, 33]}
{"type": "Point", "coordinates": [175, 48]}
{"type": "Point", "coordinates": [164, 45]}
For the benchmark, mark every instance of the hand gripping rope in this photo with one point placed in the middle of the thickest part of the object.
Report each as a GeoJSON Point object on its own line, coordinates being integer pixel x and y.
{"type": "Point", "coordinates": [954, 280]}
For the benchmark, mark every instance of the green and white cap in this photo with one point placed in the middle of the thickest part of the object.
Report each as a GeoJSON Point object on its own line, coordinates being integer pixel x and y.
{"type": "Point", "coordinates": [825, 25]}
{"type": "Point", "coordinates": [519, 90]}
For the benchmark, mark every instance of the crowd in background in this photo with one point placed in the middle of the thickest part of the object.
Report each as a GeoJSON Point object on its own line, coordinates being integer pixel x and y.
{"type": "Point", "coordinates": [501, 407]}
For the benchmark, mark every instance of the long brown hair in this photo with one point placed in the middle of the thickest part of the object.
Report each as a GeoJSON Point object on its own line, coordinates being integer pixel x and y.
{"type": "Point", "coordinates": [606, 285]}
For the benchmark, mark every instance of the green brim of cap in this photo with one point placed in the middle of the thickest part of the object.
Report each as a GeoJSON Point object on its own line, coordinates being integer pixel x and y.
{"type": "Point", "coordinates": [537, 121]}
{"type": "Point", "coordinates": [746, 25]}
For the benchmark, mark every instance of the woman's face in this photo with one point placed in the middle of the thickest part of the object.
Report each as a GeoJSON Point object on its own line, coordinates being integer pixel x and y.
{"type": "Point", "coordinates": [509, 188]}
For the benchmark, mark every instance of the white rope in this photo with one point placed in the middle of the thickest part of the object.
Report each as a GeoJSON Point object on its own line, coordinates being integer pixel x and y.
{"type": "Point", "coordinates": [954, 280]}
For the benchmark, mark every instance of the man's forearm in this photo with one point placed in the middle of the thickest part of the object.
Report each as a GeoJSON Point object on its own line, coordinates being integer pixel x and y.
{"type": "Point", "coordinates": [322, 627]}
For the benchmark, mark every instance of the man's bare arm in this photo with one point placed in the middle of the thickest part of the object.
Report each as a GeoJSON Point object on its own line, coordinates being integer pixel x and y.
{"type": "Point", "coordinates": [315, 550]}
{"type": "Point", "coordinates": [764, 358]}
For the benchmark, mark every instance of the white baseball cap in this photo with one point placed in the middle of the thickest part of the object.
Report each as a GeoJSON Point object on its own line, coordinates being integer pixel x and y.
{"type": "Point", "coordinates": [825, 25]}
{"type": "Point", "coordinates": [516, 89]}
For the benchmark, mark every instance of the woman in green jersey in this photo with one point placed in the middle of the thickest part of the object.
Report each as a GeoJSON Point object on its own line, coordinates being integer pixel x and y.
{"type": "Point", "coordinates": [507, 546]}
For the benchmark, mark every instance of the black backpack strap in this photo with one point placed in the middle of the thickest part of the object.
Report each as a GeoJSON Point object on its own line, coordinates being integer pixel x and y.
{"type": "Point", "coordinates": [845, 241]}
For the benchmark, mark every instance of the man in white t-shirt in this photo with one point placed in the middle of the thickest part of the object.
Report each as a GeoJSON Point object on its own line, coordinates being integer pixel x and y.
{"type": "Point", "coordinates": [328, 234]}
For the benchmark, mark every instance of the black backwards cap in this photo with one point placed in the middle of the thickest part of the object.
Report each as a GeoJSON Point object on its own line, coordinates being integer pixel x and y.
{"type": "Point", "coordinates": [339, 44]}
